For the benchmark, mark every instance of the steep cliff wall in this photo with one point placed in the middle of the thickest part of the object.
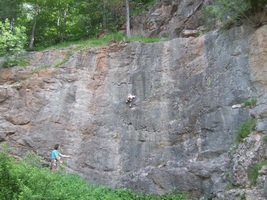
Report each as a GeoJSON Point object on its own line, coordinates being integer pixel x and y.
{"type": "Point", "coordinates": [170, 19]}
{"type": "Point", "coordinates": [179, 134]}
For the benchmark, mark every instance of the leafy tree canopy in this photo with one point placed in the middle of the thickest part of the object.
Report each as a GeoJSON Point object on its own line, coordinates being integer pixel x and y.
{"type": "Point", "coordinates": [12, 39]}
{"type": "Point", "coordinates": [54, 21]}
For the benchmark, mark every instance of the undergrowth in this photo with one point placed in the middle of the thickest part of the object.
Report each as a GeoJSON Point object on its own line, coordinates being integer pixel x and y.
{"type": "Point", "coordinates": [27, 179]}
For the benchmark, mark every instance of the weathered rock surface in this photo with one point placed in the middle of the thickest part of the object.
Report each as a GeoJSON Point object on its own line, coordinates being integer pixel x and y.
{"type": "Point", "coordinates": [179, 134]}
{"type": "Point", "coordinates": [170, 18]}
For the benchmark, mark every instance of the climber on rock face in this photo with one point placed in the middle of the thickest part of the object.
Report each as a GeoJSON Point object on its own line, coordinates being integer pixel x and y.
{"type": "Point", "coordinates": [130, 99]}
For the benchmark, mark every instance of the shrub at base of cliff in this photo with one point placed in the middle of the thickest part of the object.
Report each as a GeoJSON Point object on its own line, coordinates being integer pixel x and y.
{"type": "Point", "coordinates": [26, 179]}
{"type": "Point", "coordinates": [9, 183]}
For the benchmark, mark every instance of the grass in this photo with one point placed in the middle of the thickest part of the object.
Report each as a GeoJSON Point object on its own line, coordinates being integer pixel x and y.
{"type": "Point", "coordinates": [107, 39]}
{"type": "Point", "coordinates": [249, 103]}
{"type": "Point", "coordinates": [65, 59]}
{"type": "Point", "coordinates": [245, 129]}
{"type": "Point", "coordinates": [253, 172]}
{"type": "Point", "coordinates": [68, 55]}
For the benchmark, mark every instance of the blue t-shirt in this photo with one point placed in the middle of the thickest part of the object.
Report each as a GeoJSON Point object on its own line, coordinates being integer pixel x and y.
{"type": "Point", "coordinates": [54, 153]}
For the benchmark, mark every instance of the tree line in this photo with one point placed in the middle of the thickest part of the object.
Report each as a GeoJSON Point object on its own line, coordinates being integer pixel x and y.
{"type": "Point", "coordinates": [42, 23]}
{"type": "Point", "coordinates": [47, 22]}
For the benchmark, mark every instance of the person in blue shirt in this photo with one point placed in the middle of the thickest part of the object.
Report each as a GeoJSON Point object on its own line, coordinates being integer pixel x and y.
{"type": "Point", "coordinates": [56, 155]}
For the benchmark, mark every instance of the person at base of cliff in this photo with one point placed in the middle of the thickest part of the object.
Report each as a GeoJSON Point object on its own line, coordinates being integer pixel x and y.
{"type": "Point", "coordinates": [56, 155]}
{"type": "Point", "coordinates": [130, 99]}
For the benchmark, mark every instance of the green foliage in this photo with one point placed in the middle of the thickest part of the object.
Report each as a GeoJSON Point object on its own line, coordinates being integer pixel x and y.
{"type": "Point", "coordinates": [249, 103]}
{"type": "Point", "coordinates": [9, 182]}
{"type": "Point", "coordinates": [15, 61]}
{"type": "Point", "coordinates": [107, 39]}
{"type": "Point", "coordinates": [256, 4]}
{"type": "Point", "coordinates": [245, 129]}
{"type": "Point", "coordinates": [265, 139]}
{"type": "Point", "coordinates": [114, 37]}
{"type": "Point", "coordinates": [225, 13]}
{"type": "Point", "coordinates": [12, 39]}
{"type": "Point", "coordinates": [49, 22]}
{"type": "Point", "coordinates": [143, 7]}
{"type": "Point", "coordinates": [9, 9]}
{"type": "Point", "coordinates": [26, 179]}
{"type": "Point", "coordinates": [68, 55]}
{"type": "Point", "coordinates": [253, 172]}
{"type": "Point", "coordinates": [243, 196]}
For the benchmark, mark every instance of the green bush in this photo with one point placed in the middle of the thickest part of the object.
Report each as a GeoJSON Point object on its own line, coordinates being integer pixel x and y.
{"type": "Point", "coordinates": [12, 40]}
{"type": "Point", "coordinates": [245, 129]}
{"type": "Point", "coordinates": [26, 179]}
{"type": "Point", "coordinates": [9, 183]}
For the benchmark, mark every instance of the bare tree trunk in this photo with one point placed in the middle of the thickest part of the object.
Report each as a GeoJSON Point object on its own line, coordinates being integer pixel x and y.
{"type": "Point", "coordinates": [128, 31]}
{"type": "Point", "coordinates": [104, 16]}
{"type": "Point", "coordinates": [62, 34]}
{"type": "Point", "coordinates": [34, 27]}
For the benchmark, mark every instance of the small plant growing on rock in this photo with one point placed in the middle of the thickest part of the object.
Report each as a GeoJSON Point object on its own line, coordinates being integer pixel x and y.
{"type": "Point", "coordinates": [253, 172]}
{"type": "Point", "coordinates": [265, 139]}
{"type": "Point", "coordinates": [245, 129]}
{"type": "Point", "coordinates": [176, 117]}
{"type": "Point", "coordinates": [243, 196]}
{"type": "Point", "coordinates": [250, 103]}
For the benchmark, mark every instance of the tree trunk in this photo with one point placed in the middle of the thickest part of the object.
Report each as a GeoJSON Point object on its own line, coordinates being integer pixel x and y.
{"type": "Point", "coordinates": [104, 23]}
{"type": "Point", "coordinates": [128, 31]}
{"type": "Point", "coordinates": [34, 26]}
{"type": "Point", "coordinates": [63, 29]}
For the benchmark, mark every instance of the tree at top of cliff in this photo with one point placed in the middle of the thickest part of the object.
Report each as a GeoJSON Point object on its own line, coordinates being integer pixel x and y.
{"type": "Point", "coordinates": [12, 39]}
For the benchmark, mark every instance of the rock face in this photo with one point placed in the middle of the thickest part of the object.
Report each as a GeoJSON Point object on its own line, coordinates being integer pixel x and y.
{"type": "Point", "coordinates": [177, 136]}
{"type": "Point", "coordinates": [170, 18]}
